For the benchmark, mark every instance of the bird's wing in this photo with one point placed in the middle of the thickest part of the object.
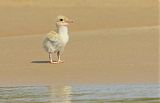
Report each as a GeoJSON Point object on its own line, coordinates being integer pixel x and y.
{"type": "Point", "coordinates": [53, 36]}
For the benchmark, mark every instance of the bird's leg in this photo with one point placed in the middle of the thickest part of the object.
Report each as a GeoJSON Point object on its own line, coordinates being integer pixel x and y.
{"type": "Point", "coordinates": [59, 57]}
{"type": "Point", "coordinates": [50, 58]}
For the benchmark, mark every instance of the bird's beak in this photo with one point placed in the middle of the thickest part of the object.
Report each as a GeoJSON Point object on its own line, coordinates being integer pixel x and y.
{"type": "Point", "coordinates": [70, 21]}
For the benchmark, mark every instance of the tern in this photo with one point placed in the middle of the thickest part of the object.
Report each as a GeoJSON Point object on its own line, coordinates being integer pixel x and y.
{"type": "Point", "coordinates": [55, 41]}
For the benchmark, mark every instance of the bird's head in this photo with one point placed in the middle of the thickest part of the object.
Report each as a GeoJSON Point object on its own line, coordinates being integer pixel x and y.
{"type": "Point", "coordinates": [62, 20]}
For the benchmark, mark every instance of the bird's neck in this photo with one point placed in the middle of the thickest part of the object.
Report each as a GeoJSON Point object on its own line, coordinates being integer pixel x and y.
{"type": "Point", "coordinates": [63, 30]}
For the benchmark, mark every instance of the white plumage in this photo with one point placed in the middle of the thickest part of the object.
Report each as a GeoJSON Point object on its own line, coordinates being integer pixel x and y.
{"type": "Point", "coordinates": [55, 42]}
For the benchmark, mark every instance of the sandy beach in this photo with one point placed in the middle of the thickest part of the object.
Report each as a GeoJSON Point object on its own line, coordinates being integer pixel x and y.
{"type": "Point", "coordinates": [111, 42]}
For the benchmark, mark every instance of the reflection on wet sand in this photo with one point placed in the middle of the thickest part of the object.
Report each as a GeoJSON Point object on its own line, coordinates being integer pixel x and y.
{"type": "Point", "coordinates": [142, 93]}
{"type": "Point", "coordinates": [61, 94]}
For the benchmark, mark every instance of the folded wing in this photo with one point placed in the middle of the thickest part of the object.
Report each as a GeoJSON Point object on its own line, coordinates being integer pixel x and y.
{"type": "Point", "coordinates": [52, 42]}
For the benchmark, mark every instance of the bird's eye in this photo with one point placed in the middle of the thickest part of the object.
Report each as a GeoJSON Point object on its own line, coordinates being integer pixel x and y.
{"type": "Point", "coordinates": [61, 19]}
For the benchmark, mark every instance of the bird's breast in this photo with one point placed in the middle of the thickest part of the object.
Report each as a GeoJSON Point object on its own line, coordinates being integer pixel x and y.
{"type": "Point", "coordinates": [64, 38]}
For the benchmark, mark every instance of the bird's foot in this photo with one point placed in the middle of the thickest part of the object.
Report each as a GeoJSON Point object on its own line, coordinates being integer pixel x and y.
{"type": "Point", "coordinates": [56, 62]}
{"type": "Point", "coordinates": [60, 61]}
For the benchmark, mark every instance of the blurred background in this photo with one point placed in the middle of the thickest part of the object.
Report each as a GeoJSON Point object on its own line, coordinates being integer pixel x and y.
{"type": "Point", "coordinates": [21, 17]}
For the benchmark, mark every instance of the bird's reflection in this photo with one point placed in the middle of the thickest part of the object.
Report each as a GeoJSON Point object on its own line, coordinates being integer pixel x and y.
{"type": "Point", "coordinates": [61, 94]}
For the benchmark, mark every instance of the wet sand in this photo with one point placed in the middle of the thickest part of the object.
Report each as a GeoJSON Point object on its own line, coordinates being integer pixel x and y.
{"type": "Point", "coordinates": [128, 55]}
{"type": "Point", "coordinates": [109, 44]}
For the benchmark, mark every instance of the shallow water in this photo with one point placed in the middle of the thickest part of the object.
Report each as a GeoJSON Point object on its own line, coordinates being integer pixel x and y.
{"type": "Point", "coordinates": [147, 93]}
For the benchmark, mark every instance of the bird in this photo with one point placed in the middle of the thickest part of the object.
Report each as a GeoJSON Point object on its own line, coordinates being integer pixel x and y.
{"type": "Point", "coordinates": [55, 41]}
